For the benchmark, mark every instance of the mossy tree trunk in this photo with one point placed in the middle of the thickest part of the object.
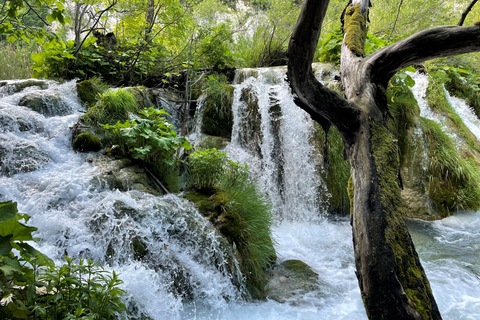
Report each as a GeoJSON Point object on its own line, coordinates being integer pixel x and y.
{"type": "Point", "coordinates": [392, 281]}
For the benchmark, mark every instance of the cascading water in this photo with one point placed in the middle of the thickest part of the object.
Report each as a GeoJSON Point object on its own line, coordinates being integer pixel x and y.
{"type": "Point", "coordinates": [165, 251]}
{"type": "Point", "coordinates": [171, 259]}
{"type": "Point", "coordinates": [272, 135]}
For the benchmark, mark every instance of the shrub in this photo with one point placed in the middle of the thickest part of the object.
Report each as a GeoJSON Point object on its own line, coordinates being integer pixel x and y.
{"type": "Point", "coordinates": [33, 287]}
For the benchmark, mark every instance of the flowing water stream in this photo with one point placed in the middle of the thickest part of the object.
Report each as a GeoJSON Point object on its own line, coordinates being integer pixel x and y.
{"type": "Point", "coordinates": [77, 213]}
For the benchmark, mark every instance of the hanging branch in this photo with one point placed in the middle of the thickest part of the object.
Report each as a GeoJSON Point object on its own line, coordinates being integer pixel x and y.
{"type": "Point", "coordinates": [396, 19]}
{"type": "Point", "coordinates": [466, 12]}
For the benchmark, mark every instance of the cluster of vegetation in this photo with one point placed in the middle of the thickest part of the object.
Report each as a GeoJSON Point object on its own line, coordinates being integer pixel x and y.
{"type": "Point", "coordinates": [33, 287]}
{"type": "Point", "coordinates": [226, 194]}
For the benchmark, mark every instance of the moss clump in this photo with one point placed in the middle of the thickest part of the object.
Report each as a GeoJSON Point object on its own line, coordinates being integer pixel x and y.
{"type": "Point", "coordinates": [86, 142]}
{"type": "Point", "coordinates": [454, 179]}
{"type": "Point", "coordinates": [407, 265]}
{"type": "Point", "coordinates": [355, 29]}
{"type": "Point", "coordinates": [88, 91]}
{"type": "Point", "coordinates": [218, 115]}
{"type": "Point", "coordinates": [143, 97]}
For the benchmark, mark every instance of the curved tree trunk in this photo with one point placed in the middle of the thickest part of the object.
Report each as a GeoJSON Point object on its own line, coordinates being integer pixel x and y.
{"type": "Point", "coordinates": [392, 281]}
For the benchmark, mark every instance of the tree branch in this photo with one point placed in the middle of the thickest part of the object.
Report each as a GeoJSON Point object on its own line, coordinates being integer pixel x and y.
{"type": "Point", "coordinates": [466, 12]}
{"type": "Point", "coordinates": [425, 45]}
{"type": "Point", "coordinates": [311, 95]}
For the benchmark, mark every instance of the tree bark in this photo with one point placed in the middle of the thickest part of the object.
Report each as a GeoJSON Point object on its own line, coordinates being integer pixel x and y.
{"type": "Point", "coordinates": [392, 281]}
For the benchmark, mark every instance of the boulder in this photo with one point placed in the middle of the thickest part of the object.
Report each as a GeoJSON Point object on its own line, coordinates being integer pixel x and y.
{"type": "Point", "coordinates": [86, 142]}
{"type": "Point", "coordinates": [20, 156]}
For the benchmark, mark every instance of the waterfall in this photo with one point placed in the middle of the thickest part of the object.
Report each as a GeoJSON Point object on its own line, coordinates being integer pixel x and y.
{"type": "Point", "coordinates": [166, 253]}
{"type": "Point", "coordinates": [273, 136]}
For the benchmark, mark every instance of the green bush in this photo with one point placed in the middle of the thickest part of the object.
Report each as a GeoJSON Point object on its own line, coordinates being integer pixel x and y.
{"type": "Point", "coordinates": [240, 211]}
{"type": "Point", "coordinates": [32, 287]}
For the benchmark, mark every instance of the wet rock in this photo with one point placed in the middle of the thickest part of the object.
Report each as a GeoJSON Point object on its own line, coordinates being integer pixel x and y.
{"type": "Point", "coordinates": [88, 91]}
{"type": "Point", "coordinates": [20, 156]}
{"type": "Point", "coordinates": [123, 175]}
{"type": "Point", "coordinates": [46, 103]}
{"type": "Point", "coordinates": [9, 87]}
{"type": "Point", "coordinates": [290, 278]}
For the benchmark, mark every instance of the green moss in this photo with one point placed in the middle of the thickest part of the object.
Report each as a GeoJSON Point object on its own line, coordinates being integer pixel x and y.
{"type": "Point", "coordinates": [143, 97]}
{"type": "Point", "coordinates": [238, 209]}
{"type": "Point", "coordinates": [437, 100]}
{"type": "Point", "coordinates": [407, 266]}
{"type": "Point", "coordinates": [87, 142]}
{"type": "Point", "coordinates": [350, 193]}
{"type": "Point", "coordinates": [300, 267]}
{"type": "Point", "coordinates": [218, 115]}
{"type": "Point", "coordinates": [355, 29]}
{"type": "Point", "coordinates": [454, 179]}
{"type": "Point", "coordinates": [338, 174]}
{"type": "Point", "coordinates": [88, 91]}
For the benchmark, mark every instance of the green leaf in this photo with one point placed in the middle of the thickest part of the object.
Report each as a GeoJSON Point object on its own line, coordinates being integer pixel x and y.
{"type": "Point", "coordinates": [19, 231]}
{"type": "Point", "coordinates": [8, 210]}
{"type": "Point", "coordinates": [10, 266]}
{"type": "Point", "coordinates": [5, 245]}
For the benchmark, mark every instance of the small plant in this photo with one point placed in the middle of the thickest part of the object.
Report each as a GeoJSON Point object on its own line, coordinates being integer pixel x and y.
{"type": "Point", "coordinates": [33, 287]}
{"type": "Point", "coordinates": [112, 106]}
{"type": "Point", "coordinates": [150, 139]}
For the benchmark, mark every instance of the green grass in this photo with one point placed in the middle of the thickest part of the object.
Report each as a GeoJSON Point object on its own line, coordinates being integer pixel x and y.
{"type": "Point", "coordinates": [15, 61]}
{"type": "Point", "coordinates": [437, 100]}
{"type": "Point", "coordinates": [240, 211]}
{"type": "Point", "coordinates": [454, 180]}
{"type": "Point", "coordinates": [112, 106]}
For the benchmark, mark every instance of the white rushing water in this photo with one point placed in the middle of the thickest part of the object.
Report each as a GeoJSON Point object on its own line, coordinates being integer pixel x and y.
{"type": "Point", "coordinates": [183, 272]}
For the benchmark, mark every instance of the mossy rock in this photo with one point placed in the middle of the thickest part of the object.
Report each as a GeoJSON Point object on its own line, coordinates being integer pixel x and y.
{"type": "Point", "coordinates": [218, 115]}
{"type": "Point", "coordinates": [143, 96]}
{"type": "Point", "coordinates": [88, 91]}
{"type": "Point", "coordinates": [19, 86]}
{"type": "Point", "coordinates": [211, 142]}
{"type": "Point", "coordinates": [291, 278]}
{"type": "Point", "coordinates": [86, 142]}
{"type": "Point", "coordinates": [48, 104]}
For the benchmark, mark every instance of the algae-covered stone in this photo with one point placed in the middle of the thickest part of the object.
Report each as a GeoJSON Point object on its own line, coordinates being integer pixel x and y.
{"type": "Point", "coordinates": [86, 142]}
{"type": "Point", "coordinates": [47, 103]}
{"type": "Point", "coordinates": [291, 278]}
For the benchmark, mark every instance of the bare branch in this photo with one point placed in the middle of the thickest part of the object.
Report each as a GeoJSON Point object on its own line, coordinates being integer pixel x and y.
{"type": "Point", "coordinates": [311, 95]}
{"type": "Point", "coordinates": [425, 45]}
{"type": "Point", "coordinates": [396, 19]}
{"type": "Point", "coordinates": [466, 12]}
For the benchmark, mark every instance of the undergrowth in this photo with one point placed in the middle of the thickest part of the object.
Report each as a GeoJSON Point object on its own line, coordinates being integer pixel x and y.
{"type": "Point", "coordinates": [15, 61]}
{"type": "Point", "coordinates": [33, 287]}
